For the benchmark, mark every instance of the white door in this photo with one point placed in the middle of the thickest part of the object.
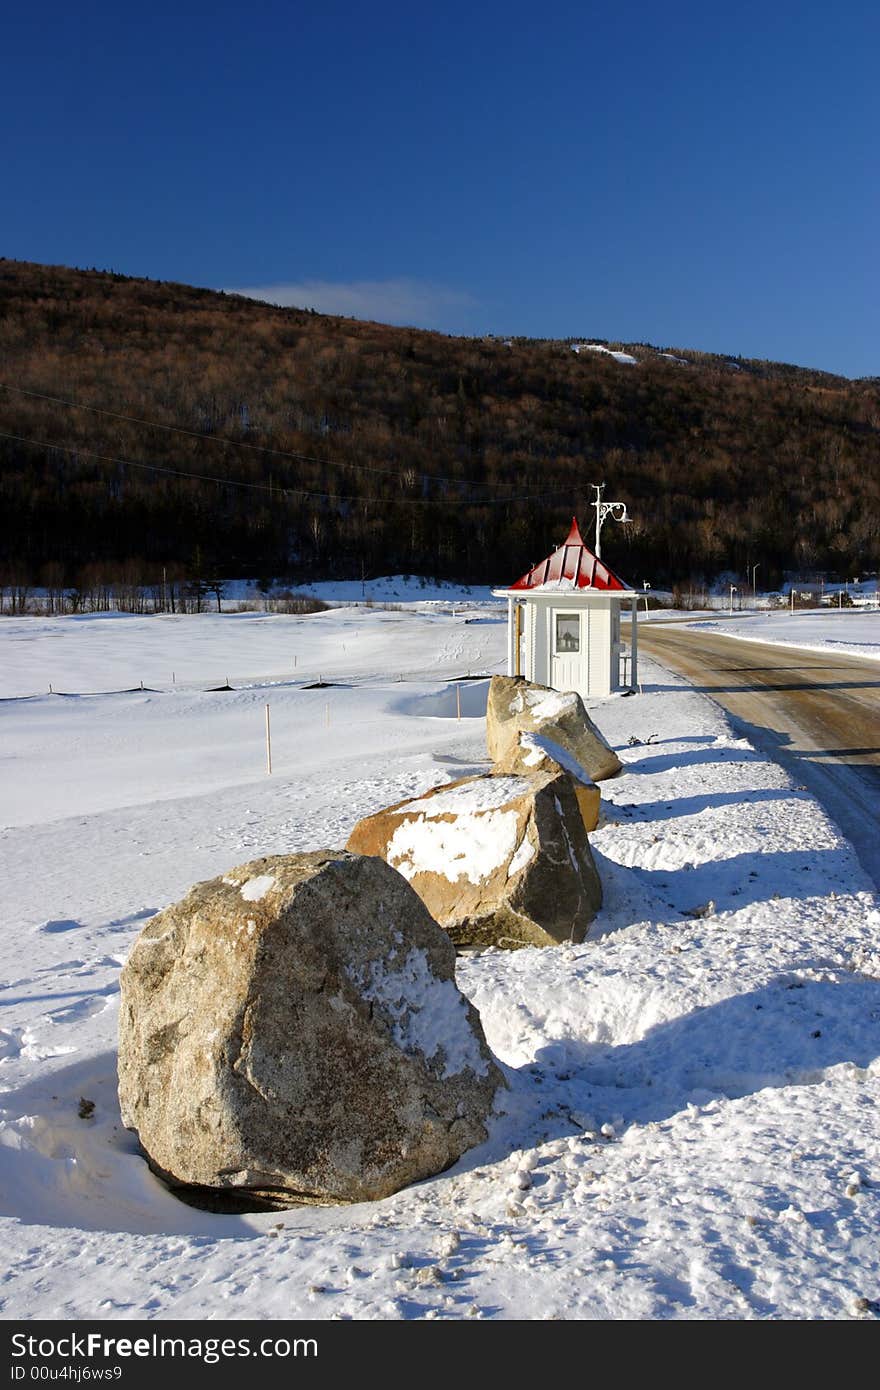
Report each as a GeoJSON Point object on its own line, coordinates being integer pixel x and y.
{"type": "Point", "coordinates": [567, 659]}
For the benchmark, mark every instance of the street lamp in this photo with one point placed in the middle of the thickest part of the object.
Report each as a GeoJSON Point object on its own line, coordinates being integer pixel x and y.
{"type": "Point", "coordinates": [617, 510]}
{"type": "Point", "coordinates": [733, 590]}
{"type": "Point", "coordinates": [646, 586]}
{"type": "Point", "coordinates": [755, 569]}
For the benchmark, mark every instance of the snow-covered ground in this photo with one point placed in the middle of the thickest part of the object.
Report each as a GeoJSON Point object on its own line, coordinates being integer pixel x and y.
{"type": "Point", "coordinates": [847, 630]}
{"type": "Point", "coordinates": [692, 1127]}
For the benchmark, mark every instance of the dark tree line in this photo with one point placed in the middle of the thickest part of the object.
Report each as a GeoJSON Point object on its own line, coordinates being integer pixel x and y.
{"type": "Point", "coordinates": [462, 458]}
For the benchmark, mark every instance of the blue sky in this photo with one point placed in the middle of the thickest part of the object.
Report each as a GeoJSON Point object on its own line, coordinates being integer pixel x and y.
{"type": "Point", "coordinates": [693, 175]}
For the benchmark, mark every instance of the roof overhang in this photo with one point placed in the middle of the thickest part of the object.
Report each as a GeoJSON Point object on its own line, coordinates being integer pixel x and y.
{"type": "Point", "coordinates": [567, 595]}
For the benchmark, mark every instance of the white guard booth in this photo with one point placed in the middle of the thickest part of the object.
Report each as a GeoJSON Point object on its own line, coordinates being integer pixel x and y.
{"type": "Point", "coordinates": [563, 623]}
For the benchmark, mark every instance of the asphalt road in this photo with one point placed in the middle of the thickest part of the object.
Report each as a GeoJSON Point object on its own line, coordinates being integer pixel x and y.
{"type": "Point", "coordinates": [816, 713]}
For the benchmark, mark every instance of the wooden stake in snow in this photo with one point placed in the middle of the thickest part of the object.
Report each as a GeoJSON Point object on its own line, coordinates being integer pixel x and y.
{"type": "Point", "coordinates": [268, 745]}
{"type": "Point", "coordinates": [458, 702]}
{"type": "Point", "coordinates": [327, 714]}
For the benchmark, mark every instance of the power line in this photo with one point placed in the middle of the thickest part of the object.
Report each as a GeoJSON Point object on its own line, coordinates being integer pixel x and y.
{"type": "Point", "coordinates": [245, 444]}
{"type": "Point", "coordinates": [284, 491]}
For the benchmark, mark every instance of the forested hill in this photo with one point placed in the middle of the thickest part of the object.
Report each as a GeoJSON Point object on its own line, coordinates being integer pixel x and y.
{"type": "Point", "coordinates": [307, 446]}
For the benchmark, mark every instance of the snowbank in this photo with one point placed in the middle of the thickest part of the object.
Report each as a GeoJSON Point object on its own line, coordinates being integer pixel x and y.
{"type": "Point", "coordinates": [846, 630]}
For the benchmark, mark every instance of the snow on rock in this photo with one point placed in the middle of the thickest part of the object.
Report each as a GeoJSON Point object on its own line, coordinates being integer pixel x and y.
{"type": "Point", "coordinates": [430, 1015]}
{"type": "Point", "coordinates": [523, 855]}
{"type": "Point", "coordinates": [459, 832]}
{"type": "Point", "coordinates": [543, 704]}
{"type": "Point", "coordinates": [466, 846]}
{"type": "Point", "coordinates": [472, 798]}
{"type": "Point", "coordinates": [537, 749]}
{"type": "Point", "coordinates": [517, 706]}
{"type": "Point", "coordinates": [497, 860]}
{"type": "Point", "coordinates": [256, 888]}
{"type": "Point", "coordinates": [318, 1051]}
{"type": "Point", "coordinates": [535, 752]}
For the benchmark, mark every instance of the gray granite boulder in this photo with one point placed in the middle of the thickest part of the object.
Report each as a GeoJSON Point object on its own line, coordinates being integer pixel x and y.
{"type": "Point", "coordinates": [293, 1031]}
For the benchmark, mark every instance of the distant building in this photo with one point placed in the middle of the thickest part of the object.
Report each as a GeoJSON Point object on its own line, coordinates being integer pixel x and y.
{"type": "Point", "coordinates": [563, 620]}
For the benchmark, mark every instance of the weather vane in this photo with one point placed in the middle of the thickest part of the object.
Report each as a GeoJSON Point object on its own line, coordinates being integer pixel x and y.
{"type": "Point", "coordinates": [616, 510]}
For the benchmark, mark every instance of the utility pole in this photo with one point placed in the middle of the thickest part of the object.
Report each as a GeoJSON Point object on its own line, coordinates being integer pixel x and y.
{"type": "Point", "coordinates": [617, 510]}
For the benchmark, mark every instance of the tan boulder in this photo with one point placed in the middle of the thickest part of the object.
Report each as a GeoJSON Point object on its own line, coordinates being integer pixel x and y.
{"type": "Point", "coordinates": [292, 1031]}
{"type": "Point", "coordinates": [535, 753]}
{"type": "Point", "coordinates": [498, 861]}
{"type": "Point", "coordinates": [517, 706]}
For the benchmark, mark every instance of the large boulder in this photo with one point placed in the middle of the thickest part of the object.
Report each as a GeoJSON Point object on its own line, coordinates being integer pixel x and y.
{"type": "Point", "coordinates": [293, 1031]}
{"type": "Point", "coordinates": [517, 706]}
{"type": "Point", "coordinates": [498, 861]}
{"type": "Point", "coordinates": [536, 753]}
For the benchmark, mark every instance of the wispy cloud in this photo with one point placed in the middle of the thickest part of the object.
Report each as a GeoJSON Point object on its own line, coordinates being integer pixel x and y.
{"type": "Point", "coordinates": [409, 302]}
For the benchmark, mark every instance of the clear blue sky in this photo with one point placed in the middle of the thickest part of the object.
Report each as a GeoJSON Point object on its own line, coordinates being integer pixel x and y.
{"type": "Point", "coordinates": [692, 174]}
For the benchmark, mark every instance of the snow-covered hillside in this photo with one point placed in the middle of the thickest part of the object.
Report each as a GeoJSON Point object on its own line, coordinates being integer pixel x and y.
{"type": "Point", "coordinates": [692, 1127]}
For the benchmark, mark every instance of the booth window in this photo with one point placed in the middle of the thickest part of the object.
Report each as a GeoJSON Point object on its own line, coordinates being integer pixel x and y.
{"type": "Point", "coordinates": [568, 632]}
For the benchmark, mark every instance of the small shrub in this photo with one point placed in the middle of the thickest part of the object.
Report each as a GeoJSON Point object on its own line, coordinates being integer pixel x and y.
{"type": "Point", "coordinates": [285, 601]}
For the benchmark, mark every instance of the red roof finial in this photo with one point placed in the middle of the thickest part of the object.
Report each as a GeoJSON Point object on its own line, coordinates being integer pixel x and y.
{"type": "Point", "coordinates": [574, 536]}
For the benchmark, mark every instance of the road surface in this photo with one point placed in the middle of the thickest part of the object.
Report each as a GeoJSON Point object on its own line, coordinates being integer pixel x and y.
{"type": "Point", "coordinates": [817, 713]}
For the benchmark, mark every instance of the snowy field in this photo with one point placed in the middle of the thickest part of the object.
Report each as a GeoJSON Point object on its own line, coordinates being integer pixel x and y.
{"type": "Point", "coordinates": [852, 631]}
{"type": "Point", "coordinates": [692, 1126]}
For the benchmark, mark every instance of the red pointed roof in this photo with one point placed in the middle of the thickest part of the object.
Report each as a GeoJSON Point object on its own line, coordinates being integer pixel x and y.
{"type": "Point", "coordinates": [572, 566]}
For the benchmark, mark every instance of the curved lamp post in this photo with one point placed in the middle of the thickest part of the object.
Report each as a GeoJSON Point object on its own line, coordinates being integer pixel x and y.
{"type": "Point", "coordinates": [616, 510]}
